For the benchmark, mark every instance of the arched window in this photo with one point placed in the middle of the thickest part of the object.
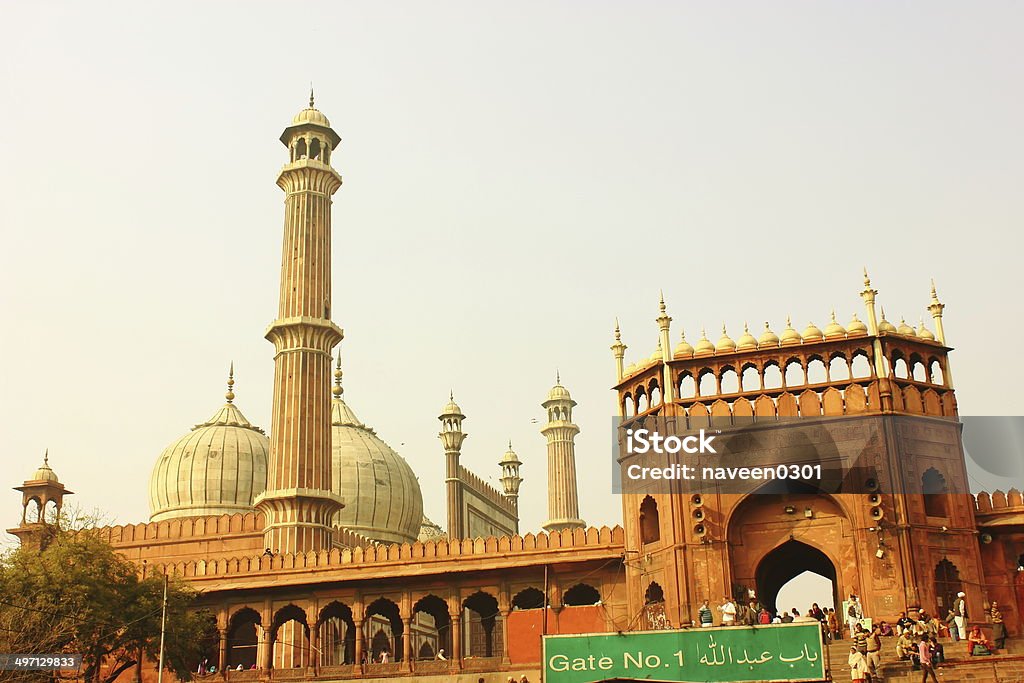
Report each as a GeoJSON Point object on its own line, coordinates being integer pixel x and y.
{"type": "Point", "coordinates": [581, 594]}
{"type": "Point", "coordinates": [937, 376]}
{"type": "Point", "coordinates": [687, 387]}
{"type": "Point", "coordinates": [838, 369]}
{"type": "Point", "coordinates": [528, 598]}
{"type": "Point", "coordinates": [861, 367]}
{"type": "Point", "coordinates": [300, 149]}
{"type": "Point", "coordinates": [650, 524]}
{"type": "Point", "coordinates": [816, 371]}
{"type": "Point", "coordinates": [794, 373]}
{"type": "Point", "coordinates": [936, 492]}
{"type": "Point", "coordinates": [750, 380]}
{"type": "Point", "coordinates": [706, 383]}
{"type": "Point", "coordinates": [730, 381]}
{"type": "Point", "coordinates": [654, 593]}
{"type": "Point", "coordinates": [772, 376]}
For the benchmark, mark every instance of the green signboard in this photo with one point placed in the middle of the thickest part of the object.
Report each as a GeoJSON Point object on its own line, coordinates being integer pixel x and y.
{"type": "Point", "coordinates": [777, 652]}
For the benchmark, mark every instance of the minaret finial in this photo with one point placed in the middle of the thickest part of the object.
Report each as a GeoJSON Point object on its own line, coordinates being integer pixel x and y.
{"type": "Point", "coordinates": [311, 95]}
{"type": "Point", "coordinates": [867, 278]}
{"type": "Point", "coordinates": [338, 390]}
{"type": "Point", "coordinates": [661, 300]}
{"type": "Point", "coordinates": [230, 394]}
{"type": "Point", "coordinates": [935, 296]}
{"type": "Point", "coordinates": [618, 334]}
{"type": "Point", "coordinates": [46, 458]}
{"type": "Point", "coordinates": [558, 377]}
{"type": "Point", "coordinates": [451, 394]}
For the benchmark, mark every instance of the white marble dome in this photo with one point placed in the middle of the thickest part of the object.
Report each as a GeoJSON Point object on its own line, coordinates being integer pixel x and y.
{"type": "Point", "coordinates": [217, 468]}
{"type": "Point", "coordinates": [382, 496]}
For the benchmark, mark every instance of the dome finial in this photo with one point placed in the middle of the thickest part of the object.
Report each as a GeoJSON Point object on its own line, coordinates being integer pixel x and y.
{"type": "Point", "coordinates": [311, 95]}
{"type": "Point", "coordinates": [661, 301]}
{"type": "Point", "coordinates": [558, 377]}
{"type": "Point", "coordinates": [230, 395]}
{"type": "Point", "coordinates": [46, 458]}
{"type": "Point", "coordinates": [338, 390]}
{"type": "Point", "coordinates": [867, 279]}
{"type": "Point", "coordinates": [618, 334]}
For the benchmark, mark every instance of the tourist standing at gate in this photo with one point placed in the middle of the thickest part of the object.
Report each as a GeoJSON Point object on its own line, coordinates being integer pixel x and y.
{"type": "Point", "coordinates": [924, 653]}
{"type": "Point", "coordinates": [960, 615]}
{"type": "Point", "coordinates": [728, 610]}
{"type": "Point", "coordinates": [998, 627]}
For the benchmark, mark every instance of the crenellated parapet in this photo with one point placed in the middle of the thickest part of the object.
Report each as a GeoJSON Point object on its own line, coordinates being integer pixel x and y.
{"type": "Point", "coordinates": [418, 556]}
{"type": "Point", "coordinates": [999, 501]}
{"type": "Point", "coordinates": [485, 490]}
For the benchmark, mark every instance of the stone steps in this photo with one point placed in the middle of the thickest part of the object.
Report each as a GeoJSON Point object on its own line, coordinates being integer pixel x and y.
{"type": "Point", "coordinates": [1005, 667]}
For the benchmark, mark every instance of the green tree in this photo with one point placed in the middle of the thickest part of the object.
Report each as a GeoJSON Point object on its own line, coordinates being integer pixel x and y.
{"type": "Point", "coordinates": [77, 595]}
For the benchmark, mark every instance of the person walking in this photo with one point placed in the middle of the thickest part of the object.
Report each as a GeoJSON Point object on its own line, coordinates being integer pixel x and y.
{"type": "Point", "coordinates": [924, 653]}
{"type": "Point", "coordinates": [858, 665]}
{"type": "Point", "coordinates": [874, 653]}
{"type": "Point", "coordinates": [704, 615]}
{"type": "Point", "coordinates": [833, 625]}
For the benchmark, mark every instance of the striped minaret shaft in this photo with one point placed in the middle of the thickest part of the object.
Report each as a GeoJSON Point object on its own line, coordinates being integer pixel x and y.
{"type": "Point", "coordinates": [298, 504]}
{"type": "Point", "coordinates": [563, 499]}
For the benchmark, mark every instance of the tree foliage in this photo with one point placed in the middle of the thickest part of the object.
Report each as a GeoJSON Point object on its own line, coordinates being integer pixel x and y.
{"type": "Point", "coordinates": [78, 595]}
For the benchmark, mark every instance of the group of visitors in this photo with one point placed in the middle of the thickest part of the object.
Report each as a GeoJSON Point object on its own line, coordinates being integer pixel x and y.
{"type": "Point", "coordinates": [735, 613]}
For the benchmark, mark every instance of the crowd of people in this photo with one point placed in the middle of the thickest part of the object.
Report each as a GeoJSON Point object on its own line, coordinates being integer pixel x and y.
{"type": "Point", "coordinates": [916, 637]}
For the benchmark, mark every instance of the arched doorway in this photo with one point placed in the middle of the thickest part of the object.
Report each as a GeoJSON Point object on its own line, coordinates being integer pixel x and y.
{"type": "Point", "coordinates": [775, 538]}
{"type": "Point", "coordinates": [785, 563]}
{"type": "Point", "coordinates": [947, 585]}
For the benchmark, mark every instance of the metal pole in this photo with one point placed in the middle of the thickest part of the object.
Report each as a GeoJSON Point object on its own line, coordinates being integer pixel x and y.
{"type": "Point", "coordinates": [163, 628]}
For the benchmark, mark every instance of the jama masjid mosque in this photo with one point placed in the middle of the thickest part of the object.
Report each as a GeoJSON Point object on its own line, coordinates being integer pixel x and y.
{"type": "Point", "coordinates": [310, 547]}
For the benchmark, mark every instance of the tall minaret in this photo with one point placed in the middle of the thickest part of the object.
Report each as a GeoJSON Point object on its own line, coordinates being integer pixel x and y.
{"type": "Point", "coordinates": [298, 504]}
{"type": "Point", "coordinates": [452, 436]}
{"type": "Point", "coordinates": [563, 501]}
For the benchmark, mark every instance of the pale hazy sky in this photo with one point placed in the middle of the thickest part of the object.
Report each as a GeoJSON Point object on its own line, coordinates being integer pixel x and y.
{"type": "Point", "coordinates": [516, 175]}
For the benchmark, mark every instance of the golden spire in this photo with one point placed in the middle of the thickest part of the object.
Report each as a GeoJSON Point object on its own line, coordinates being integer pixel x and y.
{"type": "Point", "coordinates": [558, 377]}
{"type": "Point", "coordinates": [337, 390]}
{"type": "Point", "coordinates": [311, 96]}
{"type": "Point", "coordinates": [618, 334]}
{"type": "Point", "coordinates": [935, 308]}
{"type": "Point", "coordinates": [46, 458]}
{"type": "Point", "coordinates": [867, 279]}
{"type": "Point", "coordinates": [661, 302]}
{"type": "Point", "coordinates": [230, 395]}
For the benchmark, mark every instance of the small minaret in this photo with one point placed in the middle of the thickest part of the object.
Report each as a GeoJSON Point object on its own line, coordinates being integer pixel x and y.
{"type": "Point", "coordinates": [298, 504]}
{"type": "Point", "coordinates": [619, 349]}
{"type": "Point", "coordinates": [868, 294]}
{"type": "Point", "coordinates": [43, 488]}
{"type": "Point", "coordinates": [935, 308]}
{"type": "Point", "coordinates": [510, 479]}
{"type": "Point", "coordinates": [664, 321]}
{"type": "Point", "coordinates": [563, 500]}
{"type": "Point", "coordinates": [452, 436]}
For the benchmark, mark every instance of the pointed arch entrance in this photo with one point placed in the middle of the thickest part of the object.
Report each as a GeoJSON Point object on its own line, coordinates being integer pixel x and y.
{"type": "Point", "coordinates": [947, 585]}
{"type": "Point", "coordinates": [785, 563]}
{"type": "Point", "coordinates": [775, 537]}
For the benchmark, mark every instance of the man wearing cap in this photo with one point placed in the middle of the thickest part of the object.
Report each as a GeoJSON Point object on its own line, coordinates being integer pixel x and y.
{"type": "Point", "coordinates": [960, 615]}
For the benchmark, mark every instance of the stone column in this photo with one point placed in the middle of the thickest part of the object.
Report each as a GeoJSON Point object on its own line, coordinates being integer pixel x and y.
{"type": "Point", "coordinates": [359, 641]}
{"type": "Point", "coordinates": [222, 655]}
{"type": "Point", "coordinates": [456, 639]}
{"type": "Point", "coordinates": [504, 635]}
{"type": "Point", "coordinates": [407, 642]}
